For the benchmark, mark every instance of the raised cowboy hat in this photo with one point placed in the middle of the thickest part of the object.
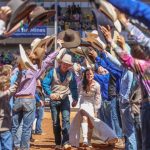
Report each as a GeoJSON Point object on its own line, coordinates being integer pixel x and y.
{"type": "Point", "coordinates": [20, 10]}
{"type": "Point", "coordinates": [84, 52]}
{"type": "Point", "coordinates": [39, 14]}
{"type": "Point", "coordinates": [102, 20]}
{"type": "Point", "coordinates": [70, 37]}
{"type": "Point", "coordinates": [47, 41]}
{"type": "Point", "coordinates": [110, 11]}
{"type": "Point", "coordinates": [94, 39]}
{"type": "Point", "coordinates": [24, 60]}
{"type": "Point", "coordinates": [39, 47]}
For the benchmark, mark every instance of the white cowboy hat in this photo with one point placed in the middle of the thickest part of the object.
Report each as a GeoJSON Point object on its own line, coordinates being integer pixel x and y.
{"type": "Point", "coordinates": [67, 59]}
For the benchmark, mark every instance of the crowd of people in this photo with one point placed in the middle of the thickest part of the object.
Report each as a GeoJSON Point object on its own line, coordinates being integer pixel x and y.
{"type": "Point", "coordinates": [6, 57]}
{"type": "Point", "coordinates": [111, 81]}
{"type": "Point", "coordinates": [75, 18]}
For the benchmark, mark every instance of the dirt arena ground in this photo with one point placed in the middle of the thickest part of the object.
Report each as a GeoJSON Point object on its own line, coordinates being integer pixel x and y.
{"type": "Point", "coordinates": [46, 141]}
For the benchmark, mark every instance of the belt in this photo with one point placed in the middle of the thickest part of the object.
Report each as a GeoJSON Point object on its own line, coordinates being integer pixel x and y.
{"type": "Point", "coordinates": [25, 96]}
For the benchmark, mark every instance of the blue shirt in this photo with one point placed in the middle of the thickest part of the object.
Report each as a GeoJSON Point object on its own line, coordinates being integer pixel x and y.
{"type": "Point", "coordinates": [107, 64]}
{"type": "Point", "coordinates": [125, 76]}
{"type": "Point", "coordinates": [46, 83]}
{"type": "Point", "coordinates": [134, 8]}
{"type": "Point", "coordinates": [103, 80]}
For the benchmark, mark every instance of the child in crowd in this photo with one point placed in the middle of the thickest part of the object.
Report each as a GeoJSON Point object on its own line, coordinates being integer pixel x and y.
{"type": "Point", "coordinates": [6, 91]}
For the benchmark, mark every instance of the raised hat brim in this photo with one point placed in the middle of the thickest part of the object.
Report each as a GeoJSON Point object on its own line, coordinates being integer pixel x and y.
{"type": "Point", "coordinates": [22, 12]}
{"type": "Point", "coordinates": [40, 18]}
{"type": "Point", "coordinates": [25, 59]}
{"type": "Point", "coordinates": [49, 41]}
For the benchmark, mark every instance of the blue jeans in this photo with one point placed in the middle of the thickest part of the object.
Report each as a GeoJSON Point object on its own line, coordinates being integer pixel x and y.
{"type": "Point", "coordinates": [62, 106]}
{"type": "Point", "coordinates": [39, 116]}
{"type": "Point", "coordinates": [6, 140]}
{"type": "Point", "coordinates": [105, 113]}
{"type": "Point", "coordinates": [23, 110]}
{"type": "Point", "coordinates": [128, 126]}
{"type": "Point", "coordinates": [138, 130]}
{"type": "Point", "coordinates": [17, 136]}
{"type": "Point", "coordinates": [116, 119]}
{"type": "Point", "coordinates": [145, 119]}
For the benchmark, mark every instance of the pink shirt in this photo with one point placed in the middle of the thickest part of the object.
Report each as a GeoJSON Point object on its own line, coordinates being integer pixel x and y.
{"type": "Point", "coordinates": [140, 67]}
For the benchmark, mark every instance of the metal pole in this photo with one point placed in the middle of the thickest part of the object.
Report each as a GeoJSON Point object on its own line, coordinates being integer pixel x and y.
{"type": "Point", "coordinates": [56, 22]}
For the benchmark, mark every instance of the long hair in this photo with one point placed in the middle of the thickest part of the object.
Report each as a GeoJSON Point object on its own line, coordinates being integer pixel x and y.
{"type": "Point", "coordinates": [85, 83]}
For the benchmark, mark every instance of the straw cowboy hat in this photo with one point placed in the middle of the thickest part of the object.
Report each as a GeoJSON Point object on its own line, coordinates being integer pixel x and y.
{"type": "Point", "coordinates": [84, 52]}
{"type": "Point", "coordinates": [39, 47]}
{"type": "Point", "coordinates": [60, 55]}
{"type": "Point", "coordinates": [24, 60]}
{"type": "Point", "coordinates": [20, 10]}
{"type": "Point", "coordinates": [110, 11]}
{"type": "Point", "coordinates": [94, 39]}
{"type": "Point", "coordinates": [67, 59]}
{"type": "Point", "coordinates": [39, 14]}
{"type": "Point", "coordinates": [102, 20]}
{"type": "Point", "coordinates": [47, 41]}
{"type": "Point", "coordinates": [70, 37]}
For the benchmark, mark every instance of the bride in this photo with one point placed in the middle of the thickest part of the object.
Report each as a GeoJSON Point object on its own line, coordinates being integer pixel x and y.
{"type": "Point", "coordinates": [86, 117]}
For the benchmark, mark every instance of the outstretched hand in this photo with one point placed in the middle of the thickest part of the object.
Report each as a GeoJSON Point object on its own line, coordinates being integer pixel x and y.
{"type": "Point", "coordinates": [107, 33]}
{"type": "Point", "coordinates": [121, 42]}
{"type": "Point", "coordinates": [60, 42]}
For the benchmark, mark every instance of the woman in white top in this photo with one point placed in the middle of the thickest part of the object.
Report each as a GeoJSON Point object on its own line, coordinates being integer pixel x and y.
{"type": "Point", "coordinates": [86, 118]}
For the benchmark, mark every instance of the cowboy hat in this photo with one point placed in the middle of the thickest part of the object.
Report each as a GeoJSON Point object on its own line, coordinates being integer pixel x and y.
{"type": "Point", "coordinates": [84, 52]}
{"type": "Point", "coordinates": [110, 11]}
{"type": "Point", "coordinates": [20, 10]}
{"type": "Point", "coordinates": [102, 20]}
{"type": "Point", "coordinates": [39, 14]}
{"type": "Point", "coordinates": [24, 60]}
{"type": "Point", "coordinates": [67, 59]}
{"type": "Point", "coordinates": [47, 41]}
{"type": "Point", "coordinates": [38, 48]}
{"type": "Point", "coordinates": [70, 37]}
{"type": "Point", "coordinates": [61, 53]}
{"type": "Point", "coordinates": [94, 39]}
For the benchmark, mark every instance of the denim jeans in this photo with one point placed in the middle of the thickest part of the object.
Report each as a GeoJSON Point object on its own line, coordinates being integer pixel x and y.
{"type": "Point", "coordinates": [6, 140]}
{"type": "Point", "coordinates": [23, 110]}
{"type": "Point", "coordinates": [105, 113]}
{"type": "Point", "coordinates": [138, 130]}
{"type": "Point", "coordinates": [39, 116]}
{"type": "Point", "coordinates": [17, 136]}
{"type": "Point", "coordinates": [116, 119]}
{"type": "Point", "coordinates": [145, 119]}
{"type": "Point", "coordinates": [128, 126]}
{"type": "Point", "coordinates": [62, 106]}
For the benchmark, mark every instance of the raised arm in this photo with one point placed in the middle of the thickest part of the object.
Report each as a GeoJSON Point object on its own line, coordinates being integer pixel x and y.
{"type": "Point", "coordinates": [47, 63]}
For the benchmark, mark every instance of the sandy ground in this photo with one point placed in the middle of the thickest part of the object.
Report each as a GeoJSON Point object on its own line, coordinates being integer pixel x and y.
{"type": "Point", "coordinates": [46, 141]}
